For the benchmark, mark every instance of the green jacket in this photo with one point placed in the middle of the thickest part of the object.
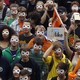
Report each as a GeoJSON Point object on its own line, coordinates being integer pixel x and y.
{"type": "Point", "coordinates": [7, 53]}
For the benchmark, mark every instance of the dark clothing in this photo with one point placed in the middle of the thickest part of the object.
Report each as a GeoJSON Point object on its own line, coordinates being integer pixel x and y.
{"type": "Point", "coordinates": [5, 69]}
{"type": "Point", "coordinates": [32, 66]}
{"type": "Point", "coordinates": [24, 40]}
{"type": "Point", "coordinates": [55, 78]}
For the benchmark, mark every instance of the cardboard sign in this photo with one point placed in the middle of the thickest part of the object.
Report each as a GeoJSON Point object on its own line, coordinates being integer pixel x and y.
{"type": "Point", "coordinates": [57, 33]}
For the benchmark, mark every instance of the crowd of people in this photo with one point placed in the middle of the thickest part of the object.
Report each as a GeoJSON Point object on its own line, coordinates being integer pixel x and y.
{"type": "Point", "coordinates": [26, 52]}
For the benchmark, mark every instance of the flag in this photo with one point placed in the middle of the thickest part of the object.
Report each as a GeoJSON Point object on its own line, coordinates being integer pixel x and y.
{"type": "Point", "coordinates": [56, 20]}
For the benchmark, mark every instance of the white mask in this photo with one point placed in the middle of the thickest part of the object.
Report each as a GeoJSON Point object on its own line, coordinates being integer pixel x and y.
{"type": "Point", "coordinates": [37, 46]}
{"type": "Point", "coordinates": [14, 39]}
{"type": "Point", "coordinates": [24, 78]}
{"type": "Point", "coordinates": [14, 12]}
{"type": "Point", "coordinates": [22, 14]}
{"type": "Point", "coordinates": [16, 71]}
{"type": "Point", "coordinates": [58, 50]}
{"type": "Point", "coordinates": [40, 32]}
{"type": "Point", "coordinates": [77, 46]}
{"type": "Point", "coordinates": [75, 8]}
{"type": "Point", "coordinates": [5, 32]}
{"type": "Point", "coordinates": [28, 26]}
{"type": "Point", "coordinates": [60, 71]}
{"type": "Point", "coordinates": [50, 2]}
{"type": "Point", "coordinates": [25, 53]}
{"type": "Point", "coordinates": [39, 6]}
{"type": "Point", "coordinates": [50, 24]}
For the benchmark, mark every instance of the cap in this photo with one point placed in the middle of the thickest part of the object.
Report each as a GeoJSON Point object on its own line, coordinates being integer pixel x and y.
{"type": "Point", "coordinates": [62, 9]}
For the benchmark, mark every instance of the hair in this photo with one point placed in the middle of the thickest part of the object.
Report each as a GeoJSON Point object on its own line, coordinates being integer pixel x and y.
{"type": "Point", "coordinates": [38, 41]}
{"type": "Point", "coordinates": [24, 48]}
{"type": "Point", "coordinates": [27, 20]}
{"type": "Point", "coordinates": [77, 40]}
{"type": "Point", "coordinates": [11, 31]}
{"type": "Point", "coordinates": [40, 27]}
{"type": "Point", "coordinates": [57, 44]}
{"type": "Point", "coordinates": [14, 5]}
{"type": "Point", "coordinates": [40, 2]}
{"type": "Point", "coordinates": [35, 16]}
{"type": "Point", "coordinates": [19, 65]}
{"type": "Point", "coordinates": [63, 66]}
{"type": "Point", "coordinates": [25, 72]}
{"type": "Point", "coordinates": [0, 52]}
{"type": "Point", "coordinates": [22, 9]}
{"type": "Point", "coordinates": [75, 2]}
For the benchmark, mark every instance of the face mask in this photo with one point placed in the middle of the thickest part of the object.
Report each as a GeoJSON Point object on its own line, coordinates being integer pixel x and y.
{"type": "Point", "coordinates": [14, 12]}
{"type": "Point", "coordinates": [50, 24]}
{"type": "Point", "coordinates": [25, 53]}
{"type": "Point", "coordinates": [58, 50]}
{"type": "Point", "coordinates": [77, 46]}
{"type": "Point", "coordinates": [50, 2]}
{"type": "Point", "coordinates": [22, 14]}
{"type": "Point", "coordinates": [37, 46]}
{"type": "Point", "coordinates": [60, 71]}
{"type": "Point", "coordinates": [40, 32]}
{"type": "Point", "coordinates": [39, 6]}
{"type": "Point", "coordinates": [5, 33]}
{"type": "Point", "coordinates": [26, 26]}
{"type": "Point", "coordinates": [14, 39]}
{"type": "Point", "coordinates": [16, 71]}
{"type": "Point", "coordinates": [24, 78]}
{"type": "Point", "coordinates": [75, 8]}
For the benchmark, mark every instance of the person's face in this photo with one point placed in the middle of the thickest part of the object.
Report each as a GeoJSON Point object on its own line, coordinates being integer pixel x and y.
{"type": "Point", "coordinates": [5, 33]}
{"type": "Point", "coordinates": [40, 33]}
{"type": "Point", "coordinates": [61, 73]}
{"type": "Point", "coordinates": [77, 47]}
{"type": "Point", "coordinates": [62, 15]}
{"type": "Point", "coordinates": [58, 53]}
{"type": "Point", "coordinates": [39, 7]}
{"type": "Point", "coordinates": [25, 77]}
{"type": "Point", "coordinates": [74, 8]}
{"type": "Point", "coordinates": [14, 41]}
{"type": "Point", "coordinates": [26, 27]}
{"type": "Point", "coordinates": [22, 15]}
{"type": "Point", "coordinates": [16, 71]}
{"type": "Point", "coordinates": [37, 47]}
{"type": "Point", "coordinates": [50, 4]}
{"type": "Point", "coordinates": [25, 54]}
{"type": "Point", "coordinates": [14, 11]}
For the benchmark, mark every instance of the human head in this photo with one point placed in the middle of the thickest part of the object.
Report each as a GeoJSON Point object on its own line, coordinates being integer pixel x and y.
{"type": "Point", "coordinates": [27, 26]}
{"type": "Point", "coordinates": [50, 4]}
{"type": "Point", "coordinates": [25, 52]}
{"type": "Point", "coordinates": [62, 69]}
{"type": "Point", "coordinates": [37, 44]}
{"type": "Point", "coordinates": [74, 6]}
{"type": "Point", "coordinates": [39, 6]}
{"type": "Point", "coordinates": [22, 13]}
{"type": "Point", "coordinates": [77, 46]}
{"type": "Point", "coordinates": [5, 35]}
{"type": "Point", "coordinates": [14, 41]}
{"type": "Point", "coordinates": [58, 49]}
{"type": "Point", "coordinates": [14, 9]}
{"type": "Point", "coordinates": [39, 31]}
{"type": "Point", "coordinates": [24, 75]}
{"type": "Point", "coordinates": [62, 12]}
{"type": "Point", "coordinates": [16, 70]}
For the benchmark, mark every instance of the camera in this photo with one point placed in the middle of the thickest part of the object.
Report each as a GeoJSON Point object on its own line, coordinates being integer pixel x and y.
{"type": "Point", "coordinates": [76, 17]}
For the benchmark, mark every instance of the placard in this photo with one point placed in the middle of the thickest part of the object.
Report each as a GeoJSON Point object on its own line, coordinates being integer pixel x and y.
{"type": "Point", "coordinates": [57, 33]}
